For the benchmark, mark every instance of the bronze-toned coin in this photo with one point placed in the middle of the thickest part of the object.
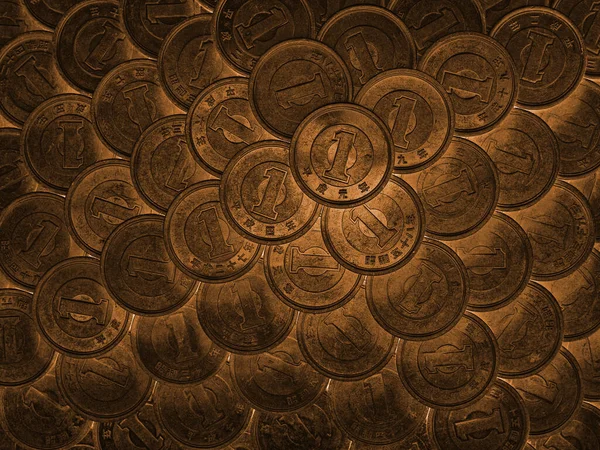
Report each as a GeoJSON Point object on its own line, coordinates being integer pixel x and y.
{"type": "Point", "coordinates": [419, 439]}
{"type": "Point", "coordinates": [452, 370]}
{"type": "Point", "coordinates": [15, 20]}
{"type": "Point", "coordinates": [34, 237]}
{"type": "Point", "coordinates": [58, 140]}
{"type": "Point", "coordinates": [561, 230]}
{"type": "Point", "coordinates": [246, 29]}
{"type": "Point", "coordinates": [579, 298]}
{"type": "Point", "coordinates": [278, 380]}
{"type": "Point", "coordinates": [220, 123]}
{"type": "Point", "coordinates": [483, 95]}
{"type": "Point", "coordinates": [424, 299]}
{"type": "Point", "coordinates": [162, 165]}
{"type": "Point", "coordinates": [548, 51]}
{"type": "Point", "coordinates": [174, 348]}
{"type": "Point", "coordinates": [37, 416]}
{"type": "Point", "coordinates": [189, 60]}
{"type": "Point", "coordinates": [370, 40]}
{"type": "Point", "coordinates": [25, 355]}
{"type": "Point", "coordinates": [529, 331]}
{"type": "Point", "coordinates": [244, 316]}
{"type": "Point", "coordinates": [499, 261]}
{"type": "Point", "coordinates": [305, 276]}
{"type": "Point", "coordinates": [323, 9]}
{"type": "Point", "coordinates": [347, 343]}
{"type": "Point", "coordinates": [292, 80]}
{"type": "Point", "coordinates": [100, 199]}
{"type": "Point", "coordinates": [341, 155]}
{"type": "Point", "coordinates": [574, 122]}
{"type": "Point", "coordinates": [49, 12]}
{"type": "Point", "coordinates": [497, 421]}
{"type": "Point", "coordinates": [90, 41]}
{"type": "Point", "coordinates": [260, 196]}
{"type": "Point", "coordinates": [497, 9]}
{"type": "Point", "coordinates": [430, 20]}
{"type": "Point", "coordinates": [589, 186]}
{"type": "Point", "coordinates": [379, 236]}
{"type": "Point", "coordinates": [418, 113]}
{"type": "Point", "coordinates": [137, 270]}
{"type": "Point", "coordinates": [127, 101]}
{"type": "Point", "coordinates": [107, 387]}
{"type": "Point", "coordinates": [459, 192]}
{"type": "Point", "coordinates": [553, 395]}
{"type": "Point", "coordinates": [201, 242]}
{"type": "Point", "coordinates": [29, 73]}
{"type": "Point", "coordinates": [586, 351]}
{"type": "Point", "coordinates": [15, 178]}
{"type": "Point", "coordinates": [202, 415]}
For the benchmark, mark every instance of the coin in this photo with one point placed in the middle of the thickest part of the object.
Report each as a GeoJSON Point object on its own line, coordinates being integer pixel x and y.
{"type": "Point", "coordinates": [561, 230]}
{"type": "Point", "coordinates": [244, 316]}
{"type": "Point", "coordinates": [293, 79]}
{"type": "Point", "coordinates": [483, 95]}
{"type": "Point", "coordinates": [49, 12]}
{"type": "Point", "coordinates": [34, 237]}
{"type": "Point", "coordinates": [137, 270]}
{"type": "Point", "coordinates": [162, 165]}
{"type": "Point", "coordinates": [127, 101]}
{"type": "Point", "coordinates": [305, 276]}
{"type": "Point", "coordinates": [220, 123]}
{"type": "Point", "coordinates": [419, 439]}
{"type": "Point", "coordinates": [101, 198]}
{"type": "Point", "coordinates": [189, 60]}
{"type": "Point", "coordinates": [497, 9]}
{"type": "Point", "coordinates": [90, 41]}
{"type": "Point", "coordinates": [499, 261]}
{"type": "Point", "coordinates": [15, 178]}
{"type": "Point", "coordinates": [15, 20]}
{"type": "Point", "coordinates": [585, 351]}
{"type": "Point", "coordinates": [553, 395]}
{"type": "Point", "coordinates": [548, 51]}
{"type": "Point", "coordinates": [590, 188]}
{"type": "Point", "coordinates": [423, 300]}
{"type": "Point", "coordinates": [246, 29]}
{"type": "Point", "coordinates": [29, 74]}
{"type": "Point", "coordinates": [36, 415]}
{"type": "Point", "coordinates": [418, 113]}
{"type": "Point", "coordinates": [459, 192]}
{"type": "Point", "coordinates": [107, 387]}
{"type": "Point", "coordinates": [58, 141]}
{"type": "Point", "coordinates": [323, 9]}
{"type": "Point", "coordinates": [452, 370]}
{"type": "Point", "coordinates": [497, 421]}
{"type": "Point", "coordinates": [200, 241]}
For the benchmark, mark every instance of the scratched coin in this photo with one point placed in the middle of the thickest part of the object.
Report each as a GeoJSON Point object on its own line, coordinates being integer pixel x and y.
{"type": "Point", "coordinates": [553, 395]}
{"type": "Point", "coordinates": [304, 275]}
{"type": "Point", "coordinates": [244, 316]}
{"type": "Point", "coordinates": [497, 421]}
{"type": "Point", "coordinates": [37, 416]}
{"type": "Point", "coordinates": [201, 242]}
{"type": "Point", "coordinates": [418, 113]}
{"type": "Point", "coordinates": [126, 102]}
{"type": "Point", "coordinates": [452, 370]}
{"type": "Point", "coordinates": [101, 198]}
{"type": "Point", "coordinates": [323, 10]}
{"type": "Point", "coordinates": [499, 260]}
{"type": "Point", "coordinates": [15, 178]}
{"type": "Point", "coordinates": [107, 387]}
{"type": "Point", "coordinates": [34, 237]}
{"type": "Point", "coordinates": [137, 270]}
{"type": "Point", "coordinates": [561, 230]}
{"type": "Point", "coordinates": [49, 12]}
{"type": "Point", "coordinates": [220, 123]}
{"type": "Point", "coordinates": [529, 331]}
{"type": "Point", "coordinates": [459, 192]}
{"type": "Point", "coordinates": [347, 343]}
{"type": "Point", "coordinates": [58, 140]}
{"type": "Point", "coordinates": [589, 186]}
{"type": "Point", "coordinates": [189, 60]}
{"type": "Point", "coordinates": [292, 80]}
{"type": "Point", "coordinates": [424, 299]}
{"type": "Point", "coordinates": [203, 415]}
{"type": "Point", "coordinates": [29, 73]}
{"type": "Point", "coordinates": [89, 41]}
{"type": "Point", "coordinates": [548, 51]}
{"type": "Point", "coordinates": [585, 351]}
{"type": "Point", "coordinates": [162, 165]}
{"type": "Point", "coordinates": [342, 155]}
{"type": "Point", "coordinates": [25, 355]}
{"type": "Point", "coordinates": [260, 196]}
{"type": "Point", "coordinates": [246, 29]}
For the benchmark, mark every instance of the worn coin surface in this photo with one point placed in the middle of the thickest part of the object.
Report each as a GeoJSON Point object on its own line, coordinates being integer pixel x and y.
{"type": "Point", "coordinates": [585, 351]}
{"type": "Point", "coordinates": [15, 178]}
{"type": "Point", "coordinates": [49, 12]}
{"type": "Point", "coordinates": [497, 9]}
{"type": "Point", "coordinates": [548, 51]}
{"type": "Point", "coordinates": [589, 186]}
{"type": "Point", "coordinates": [418, 439]}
